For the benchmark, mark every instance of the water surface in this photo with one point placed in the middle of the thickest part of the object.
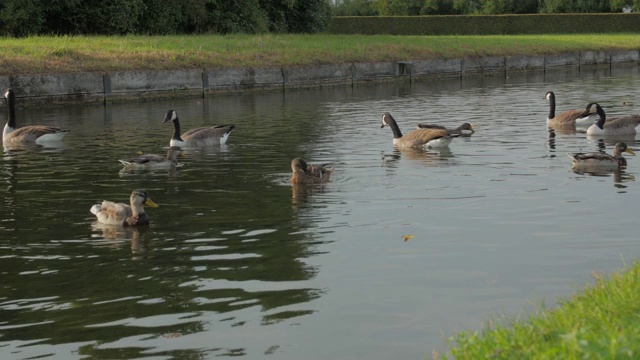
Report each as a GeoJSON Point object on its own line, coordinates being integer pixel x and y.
{"type": "Point", "coordinates": [237, 262]}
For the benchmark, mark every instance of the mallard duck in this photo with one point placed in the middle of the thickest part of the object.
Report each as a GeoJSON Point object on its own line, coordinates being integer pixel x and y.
{"type": "Point", "coordinates": [601, 161]}
{"type": "Point", "coordinates": [620, 125]}
{"type": "Point", "coordinates": [417, 138]}
{"type": "Point", "coordinates": [111, 213]}
{"type": "Point", "coordinates": [567, 118]}
{"type": "Point", "coordinates": [201, 136]}
{"type": "Point", "coordinates": [303, 173]}
{"type": "Point", "coordinates": [465, 129]}
{"type": "Point", "coordinates": [33, 134]}
{"type": "Point", "coordinates": [153, 161]}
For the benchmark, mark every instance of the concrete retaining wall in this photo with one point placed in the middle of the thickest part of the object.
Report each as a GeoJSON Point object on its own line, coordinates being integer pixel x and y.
{"type": "Point", "coordinates": [121, 85]}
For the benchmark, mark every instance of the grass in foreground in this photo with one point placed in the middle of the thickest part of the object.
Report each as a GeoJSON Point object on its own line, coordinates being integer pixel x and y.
{"type": "Point", "coordinates": [601, 322]}
{"type": "Point", "coordinates": [58, 54]}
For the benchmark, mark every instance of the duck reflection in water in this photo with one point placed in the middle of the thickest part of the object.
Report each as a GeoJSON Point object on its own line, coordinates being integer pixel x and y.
{"type": "Point", "coordinates": [118, 237]}
{"type": "Point", "coordinates": [619, 176]}
{"type": "Point", "coordinates": [301, 193]}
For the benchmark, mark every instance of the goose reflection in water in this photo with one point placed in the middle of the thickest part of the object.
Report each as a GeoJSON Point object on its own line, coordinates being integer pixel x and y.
{"type": "Point", "coordinates": [602, 142]}
{"type": "Point", "coordinates": [428, 157]}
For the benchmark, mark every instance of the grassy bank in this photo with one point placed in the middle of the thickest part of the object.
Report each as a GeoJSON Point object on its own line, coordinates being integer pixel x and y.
{"type": "Point", "coordinates": [49, 54]}
{"type": "Point", "coordinates": [602, 322]}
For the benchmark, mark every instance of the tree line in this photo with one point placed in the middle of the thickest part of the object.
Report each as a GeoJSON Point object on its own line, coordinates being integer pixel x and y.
{"type": "Point", "coordinates": [478, 7]}
{"type": "Point", "coordinates": [156, 17]}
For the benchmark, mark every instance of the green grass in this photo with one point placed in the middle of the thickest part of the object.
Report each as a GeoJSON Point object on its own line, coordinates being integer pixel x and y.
{"type": "Point", "coordinates": [601, 322]}
{"type": "Point", "coordinates": [56, 54]}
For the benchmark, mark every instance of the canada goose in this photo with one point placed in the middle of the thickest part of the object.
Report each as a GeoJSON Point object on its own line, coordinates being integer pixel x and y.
{"type": "Point", "coordinates": [303, 173]}
{"type": "Point", "coordinates": [111, 213]}
{"type": "Point", "coordinates": [37, 134]}
{"type": "Point", "coordinates": [620, 125]}
{"type": "Point", "coordinates": [201, 136]}
{"type": "Point", "coordinates": [601, 161]}
{"type": "Point", "coordinates": [567, 118]}
{"type": "Point", "coordinates": [153, 161]}
{"type": "Point", "coordinates": [416, 138]}
{"type": "Point", "coordinates": [465, 129]}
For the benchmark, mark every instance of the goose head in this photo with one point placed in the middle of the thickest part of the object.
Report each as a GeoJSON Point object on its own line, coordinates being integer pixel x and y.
{"type": "Point", "coordinates": [387, 119]}
{"type": "Point", "coordinates": [9, 94]}
{"type": "Point", "coordinates": [549, 95]}
{"type": "Point", "coordinates": [467, 127]}
{"type": "Point", "coordinates": [172, 115]}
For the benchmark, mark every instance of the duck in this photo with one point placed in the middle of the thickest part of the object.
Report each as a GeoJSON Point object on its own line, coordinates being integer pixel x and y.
{"type": "Point", "coordinates": [153, 161]}
{"type": "Point", "coordinates": [33, 134]}
{"type": "Point", "coordinates": [567, 118]}
{"type": "Point", "coordinates": [600, 160]}
{"type": "Point", "coordinates": [419, 138]}
{"type": "Point", "coordinates": [304, 173]}
{"type": "Point", "coordinates": [620, 125]}
{"type": "Point", "coordinates": [465, 129]}
{"type": "Point", "coordinates": [201, 136]}
{"type": "Point", "coordinates": [111, 213]}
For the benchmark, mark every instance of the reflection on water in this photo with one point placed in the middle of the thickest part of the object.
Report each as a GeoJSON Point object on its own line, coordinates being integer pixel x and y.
{"type": "Point", "coordinates": [238, 262]}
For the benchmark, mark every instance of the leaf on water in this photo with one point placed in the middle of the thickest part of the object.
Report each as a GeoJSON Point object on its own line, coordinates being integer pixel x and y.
{"type": "Point", "coordinates": [407, 237]}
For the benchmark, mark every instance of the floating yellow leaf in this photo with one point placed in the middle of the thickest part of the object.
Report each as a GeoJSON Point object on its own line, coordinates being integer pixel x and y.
{"type": "Point", "coordinates": [407, 237]}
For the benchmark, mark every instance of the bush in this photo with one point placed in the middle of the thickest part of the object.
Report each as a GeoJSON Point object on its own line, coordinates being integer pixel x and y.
{"type": "Point", "coordinates": [486, 24]}
{"type": "Point", "coordinates": [20, 17]}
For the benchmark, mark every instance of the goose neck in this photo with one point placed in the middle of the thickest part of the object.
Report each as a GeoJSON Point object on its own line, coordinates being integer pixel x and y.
{"type": "Point", "coordinates": [11, 111]}
{"type": "Point", "coordinates": [602, 117]}
{"type": "Point", "coordinates": [552, 106]}
{"type": "Point", "coordinates": [397, 134]}
{"type": "Point", "coordinates": [176, 129]}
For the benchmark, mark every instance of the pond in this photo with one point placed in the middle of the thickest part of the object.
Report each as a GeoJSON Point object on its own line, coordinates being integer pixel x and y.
{"type": "Point", "coordinates": [398, 252]}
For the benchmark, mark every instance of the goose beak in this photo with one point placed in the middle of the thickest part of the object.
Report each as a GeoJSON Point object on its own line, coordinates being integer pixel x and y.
{"type": "Point", "coordinates": [150, 203]}
{"type": "Point", "coordinates": [629, 151]}
{"type": "Point", "coordinates": [381, 126]}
